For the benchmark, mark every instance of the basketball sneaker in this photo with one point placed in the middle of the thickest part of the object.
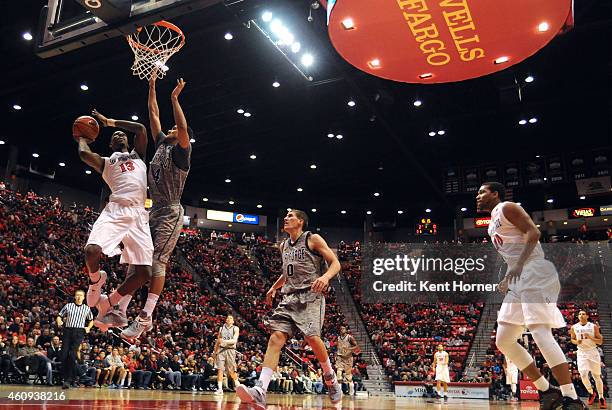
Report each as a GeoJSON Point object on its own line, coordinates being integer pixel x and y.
{"type": "Point", "coordinates": [94, 290]}
{"type": "Point", "coordinates": [592, 398]}
{"type": "Point", "coordinates": [602, 403]}
{"type": "Point", "coordinates": [103, 308]}
{"type": "Point", "coordinates": [573, 404]}
{"type": "Point", "coordinates": [219, 392]}
{"type": "Point", "coordinates": [143, 323]}
{"type": "Point", "coordinates": [114, 318]}
{"type": "Point", "coordinates": [551, 398]}
{"type": "Point", "coordinates": [253, 395]}
{"type": "Point", "coordinates": [334, 390]}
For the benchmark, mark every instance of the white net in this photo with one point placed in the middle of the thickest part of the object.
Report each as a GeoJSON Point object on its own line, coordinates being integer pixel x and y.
{"type": "Point", "coordinates": [152, 47]}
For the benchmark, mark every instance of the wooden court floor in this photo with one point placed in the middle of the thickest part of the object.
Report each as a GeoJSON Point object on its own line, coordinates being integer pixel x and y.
{"type": "Point", "coordinates": [91, 398]}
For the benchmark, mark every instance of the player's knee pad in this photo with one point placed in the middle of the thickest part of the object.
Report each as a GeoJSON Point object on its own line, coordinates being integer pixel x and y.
{"type": "Point", "coordinates": [158, 269]}
{"type": "Point", "coordinates": [547, 344]}
{"type": "Point", "coordinates": [506, 341]}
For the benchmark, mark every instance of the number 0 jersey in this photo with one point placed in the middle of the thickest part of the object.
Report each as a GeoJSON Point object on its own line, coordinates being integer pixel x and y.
{"type": "Point", "coordinates": [301, 266]}
{"type": "Point", "coordinates": [126, 176]}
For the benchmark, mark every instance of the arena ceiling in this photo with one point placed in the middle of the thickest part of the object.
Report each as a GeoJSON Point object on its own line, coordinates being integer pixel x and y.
{"type": "Point", "coordinates": [386, 146]}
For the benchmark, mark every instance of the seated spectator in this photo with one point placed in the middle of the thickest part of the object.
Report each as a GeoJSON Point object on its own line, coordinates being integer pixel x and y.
{"type": "Point", "coordinates": [34, 361]}
{"type": "Point", "coordinates": [116, 369]}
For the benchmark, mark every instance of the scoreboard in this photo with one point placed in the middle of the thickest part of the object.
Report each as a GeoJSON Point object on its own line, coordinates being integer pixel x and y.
{"type": "Point", "coordinates": [426, 227]}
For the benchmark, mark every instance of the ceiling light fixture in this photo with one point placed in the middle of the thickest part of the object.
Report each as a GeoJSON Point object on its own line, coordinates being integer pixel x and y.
{"type": "Point", "coordinates": [533, 120]}
{"type": "Point", "coordinates": [240, 111]}
{"type": "Point", "coordinates": [501, 60]}
{"type": "Point", "coordinates": [522, 122]}
{"type": "Point", "coordinates": [253, 156]}
{"type": "Point", "coordinates": [313, 210]}
{"type": "Point", "coordinates": [351, 103]}
{"type": "Point", "coordinates": [27, 36]}
{"type": "Point", "coordinates": [231, 202]}
{"type": "Point", "coordinates": [275, 84]}
{"type": "Point", "coordinates": [339, 136]}
{"type": "Point", "coordinates": [35, 155]}
{"type": "Point", "coordinates": [259, 206]}
{"type": "Point", "coordinates": [16, 107]}
{"type": "Point", "coordinates": [84, 87]}
{"type": "Point", "coordinates": [247, 114]}
{"type": "Point", "coordinates": [313, 166]}
{"type": "Point", "coordinates": [227, 180]}
{"type": "Point", "coordinates": [134, 117]}
{"type": "Point", "coordinates": [307, 60]}
{"type": "Point", "coordinates": [228, 36]}
{"type": "Point", "coordinates": [543, 26]}
{"type": "Point", "coordinates": [529, 79]}
{"type": "Point", "coordinates": [348, 23]}
{"type": "Point", "coordinates": [88, 172]}
{"type": "Point", "coordinates": [417, 103]}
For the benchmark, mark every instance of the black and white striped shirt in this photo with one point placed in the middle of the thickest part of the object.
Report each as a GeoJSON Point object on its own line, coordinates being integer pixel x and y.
{"type": "Point", "coordinates": [76, 315]}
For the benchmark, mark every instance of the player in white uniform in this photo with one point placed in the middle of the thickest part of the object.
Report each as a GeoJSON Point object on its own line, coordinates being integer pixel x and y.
{"type": "Point", "coordinates": [511, 376]}
{"type": "Point", "coordinates": [587, 337]}
{"type": "Point", "coordinates": [531, 286]}
{"type": "Point", "coordinates": [124, 219]}
{"type": "Point", "coordinates": [442, 375]}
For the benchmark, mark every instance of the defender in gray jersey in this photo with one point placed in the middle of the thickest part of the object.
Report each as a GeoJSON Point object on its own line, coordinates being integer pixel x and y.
{"type": "Point", "coordinates": [303, 280]}
{"type": "Point", "coordinates": [167, 174]}
{"type": "Point", "coordinates": [225, 353]}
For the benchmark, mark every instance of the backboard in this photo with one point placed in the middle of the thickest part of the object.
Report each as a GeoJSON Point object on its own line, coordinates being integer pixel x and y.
{"type": "Point", "coordinates": [66, 25]}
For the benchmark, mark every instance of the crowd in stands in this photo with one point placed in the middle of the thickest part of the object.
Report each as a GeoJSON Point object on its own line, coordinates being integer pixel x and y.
{"type": "Point", "coordinates": [41, 266]}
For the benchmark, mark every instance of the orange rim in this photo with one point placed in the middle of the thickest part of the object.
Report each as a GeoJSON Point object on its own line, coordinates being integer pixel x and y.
{"type": "Point", "coordinates": [162, 23]}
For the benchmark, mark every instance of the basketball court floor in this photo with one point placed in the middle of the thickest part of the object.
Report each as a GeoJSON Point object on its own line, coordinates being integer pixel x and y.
{"type": "Point", "coordinates": [82, 398]}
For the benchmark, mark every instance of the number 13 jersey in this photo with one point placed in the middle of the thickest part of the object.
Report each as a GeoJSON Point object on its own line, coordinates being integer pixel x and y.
{"type": "Point", "coordinates": [126, 176]}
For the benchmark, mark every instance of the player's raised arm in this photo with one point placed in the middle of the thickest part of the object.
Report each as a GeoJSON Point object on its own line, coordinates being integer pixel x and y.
{"type": "Point", "coordinates": [154, 122]}
{"type": "Point", "coordinates": [179, 116]}
{"type": "Point", "coordinates": [140, 131]}
{"type": "Point", "coordinates": [89, 157]}
{"type": "Point", "coordinates": [318, 245]}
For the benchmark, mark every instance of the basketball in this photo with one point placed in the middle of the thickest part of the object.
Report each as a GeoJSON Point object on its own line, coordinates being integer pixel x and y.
{"type": "Point", "coordinates": [86, 127]}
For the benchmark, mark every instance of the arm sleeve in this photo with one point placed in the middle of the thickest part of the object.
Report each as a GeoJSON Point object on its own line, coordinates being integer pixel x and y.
{"type": "Point", "coordinates": [160, 138]}
{"type": "Point", "coordinates": [181, 156]}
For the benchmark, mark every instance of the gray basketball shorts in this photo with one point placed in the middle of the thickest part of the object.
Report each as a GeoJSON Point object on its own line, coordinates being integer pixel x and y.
{"type": "Point", "coordinates": [226, 360]}
{"type": "Point", "coordinates": [166, 223]}
{"type": "Point", "coordinates": [303, 311]}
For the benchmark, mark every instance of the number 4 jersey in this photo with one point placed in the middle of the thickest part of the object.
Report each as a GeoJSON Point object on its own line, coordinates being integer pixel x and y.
{"type": "Point", "coordinates": [126, 176]}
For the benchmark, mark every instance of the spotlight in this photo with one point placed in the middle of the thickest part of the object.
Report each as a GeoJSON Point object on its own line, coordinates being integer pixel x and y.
{"type": "Point", "coordinates": [253, 156]}
{"type": "Point", "coordinates": [400, 212]}
{"type": "Point", "coordinates": [543, 26]}
{"type": "Point", "coordinates": [299, 189]}
{"type": "Point", "coordinates": [417, 103]}
{"type": "Point", "coordinates": [432, 133]}
{"type": "Point", "coordinates": [231, 202]}
{"type": "Point", "coordinates": [369, 212]}
{"type": "Point", "coordinates": [343, 212]}
{"type": "Point", "coordinates": [84, 87]}
{"type": "Point", "coordinates": [441, 132]}
{"type": "Point", "coordinates": [266, 16]}
{"type": "Point", "coordinates": [529, 79]}
{"type": "Point", "coordinates": [501, 60]}
{"type": "Point", "coordinates": [351, 103]}
{"type": "Point", "coordinates": [227, 180]}
{"type": "Point", "coordinates": [313, 166]}
{"type": "Point", "coordinates": [62, 164]}
{"type": "Point", "coordinates": [330, 135]}
{"type": "Point", "coordinates": [348, 23]}
{"type": "Point", "coordinates": [259, 206]}
{"type": "Point", "coordinates": [205, 199]}
{"type": "Point", "coordinates": [134, 117]}
{"type": "Point", "coordinates": [550, 200]}
{"type": "Point", "coordinates": [240, 111]}
{"type": "Point", "coordinates": [313, 210]}
{"type": "Point", "coordinates": [428, 210]}
{"type": "Point", "coordinates": [307, 60]}
{"type": "Point", "coordinates": [376, 194]}
{"type": "Point", "coordinates": [339, 136]}
{"type": "Point", "coordinates": [35, 155]}
{"type": "Point", "coordinates": [16, 107]}
{"type": "Point", "coordinates": [27, 36]}
{"type": "Point", "coordinates": [522, 122]}
{"type": "Point", "coordinates": [228, 36]}
{"type": "Point", "coordinates": [191, 140]}
{"type": "Point", "coordinates": [582, 197]}
{"type": "Point", "coordinates": [296, 47]}
{"type": "Point", "coordinates": [463, 209]}
{"type": "Point", "coordinates": [275, 84]}
{"type": "Point", "coordinates": [88, 172]}
{"type": "Point", "coordinates": [247, 114]}
{"type": "Point", "coordinates": [533, 120]}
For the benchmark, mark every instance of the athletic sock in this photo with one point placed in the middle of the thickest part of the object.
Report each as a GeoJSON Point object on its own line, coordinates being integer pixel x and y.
{"type": "Point", "coordinates": [150, 305]}
{"type": "Point", "coordinates": [236, 383]}
{"type": "Point", "coordinates": [327, 367]}
{"type": "Point", "coordinates": [568, 390]}
{"type": "Point", "coordinates": [124, 302]}
{"type": "Point", "coordinates": [541, 384]}
{"type": "Point", "coordinates": [264, 377]}
{"type": "Point", "coordinates": [219, 385]}
{"type": "Point", "coordinates": [94, 277]}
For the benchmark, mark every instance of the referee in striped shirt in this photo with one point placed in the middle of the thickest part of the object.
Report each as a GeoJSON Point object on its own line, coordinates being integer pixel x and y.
{"type": "Point", "coordinates": [78, 321]}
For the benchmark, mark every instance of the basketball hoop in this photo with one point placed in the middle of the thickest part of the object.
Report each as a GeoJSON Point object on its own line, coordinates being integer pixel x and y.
{"type": "Point", "coordinates": [153, 46]}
